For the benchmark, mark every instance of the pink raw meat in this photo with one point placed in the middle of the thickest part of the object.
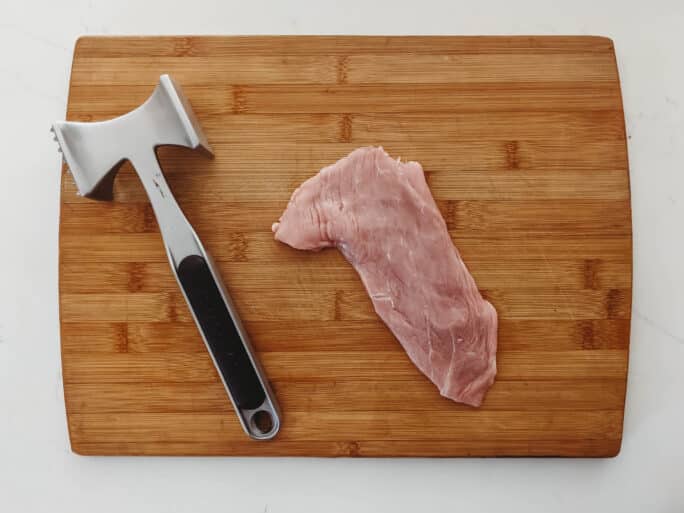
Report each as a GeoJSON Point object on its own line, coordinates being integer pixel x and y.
{"type": "Point", "coordinates": [380, 214]}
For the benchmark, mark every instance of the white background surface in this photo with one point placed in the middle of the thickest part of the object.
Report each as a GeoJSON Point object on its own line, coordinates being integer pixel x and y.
{"type": "Point", "coordinates": [38, 472]}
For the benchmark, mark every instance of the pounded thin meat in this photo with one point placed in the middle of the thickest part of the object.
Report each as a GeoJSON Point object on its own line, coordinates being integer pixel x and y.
{"type": "Point", "coordinates": [380, 214]}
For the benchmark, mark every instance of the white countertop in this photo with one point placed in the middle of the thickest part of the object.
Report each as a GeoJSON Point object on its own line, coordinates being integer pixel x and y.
{"type": "Point", "coordinates": [39, 473]}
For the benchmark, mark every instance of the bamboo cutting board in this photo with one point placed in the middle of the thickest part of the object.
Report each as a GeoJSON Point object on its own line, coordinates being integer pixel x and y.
{"type": "Point", "coordinates": [523, 143]}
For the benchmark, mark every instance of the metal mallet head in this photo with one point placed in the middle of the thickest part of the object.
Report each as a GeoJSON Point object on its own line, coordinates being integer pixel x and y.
{"type": "Point", "coordinates": [94, 152]}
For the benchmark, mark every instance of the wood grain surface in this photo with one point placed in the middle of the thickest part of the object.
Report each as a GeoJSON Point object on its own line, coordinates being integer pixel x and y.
{"type": "Point", "coordinates": [523, 143]}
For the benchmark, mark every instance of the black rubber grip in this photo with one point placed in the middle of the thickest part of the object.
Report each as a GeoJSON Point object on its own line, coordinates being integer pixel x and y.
{"type": "Point", "coordinates": [220, 332]}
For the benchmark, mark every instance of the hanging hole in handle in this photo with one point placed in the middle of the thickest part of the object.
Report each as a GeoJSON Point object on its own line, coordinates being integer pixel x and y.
{"type": "Point", "coordinates": [262, 422]}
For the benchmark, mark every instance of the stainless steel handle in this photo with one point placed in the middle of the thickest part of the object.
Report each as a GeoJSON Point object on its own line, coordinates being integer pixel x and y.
{"type": "Point", "coordinates": [212, 308]}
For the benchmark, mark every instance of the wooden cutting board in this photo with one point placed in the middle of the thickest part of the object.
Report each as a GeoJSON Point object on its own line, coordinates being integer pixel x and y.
{"type": "Point", "coordinates": [523, 143]}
